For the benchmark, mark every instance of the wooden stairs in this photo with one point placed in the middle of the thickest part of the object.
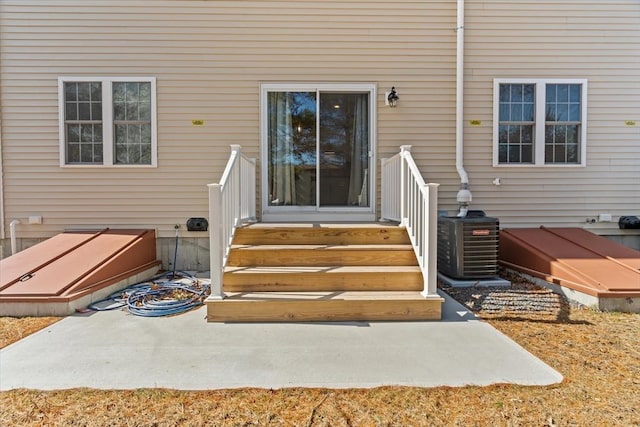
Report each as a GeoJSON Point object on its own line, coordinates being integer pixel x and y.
{"type": "Point", "coordinates": [322, 272]}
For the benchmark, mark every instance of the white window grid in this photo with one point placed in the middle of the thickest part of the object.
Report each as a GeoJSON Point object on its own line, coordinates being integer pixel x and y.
{"type": "Point", "coordinates": [541, 123]}
{"type": "Point", "coordinates": [108, 128]}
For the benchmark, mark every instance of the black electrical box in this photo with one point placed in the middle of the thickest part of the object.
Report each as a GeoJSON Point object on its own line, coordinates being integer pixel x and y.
{"type": "Point", "coordinates": [197, 224]}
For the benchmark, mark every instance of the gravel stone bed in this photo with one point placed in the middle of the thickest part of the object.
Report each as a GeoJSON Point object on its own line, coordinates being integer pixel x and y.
{"type": "Point", "coordinates": [521, 299]}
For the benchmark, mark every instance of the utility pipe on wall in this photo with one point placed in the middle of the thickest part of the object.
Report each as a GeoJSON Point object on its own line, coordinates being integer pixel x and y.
{"type": "Point", "coordinates": [12, 233]}
{"type": "Point", "coordinates": [464, 195]}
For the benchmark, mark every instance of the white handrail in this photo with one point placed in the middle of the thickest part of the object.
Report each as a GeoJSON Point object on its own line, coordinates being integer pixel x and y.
{"type": "Point", "coordinates": [231, 202]}
{"type": "Point", "coordinates": [407, 199]}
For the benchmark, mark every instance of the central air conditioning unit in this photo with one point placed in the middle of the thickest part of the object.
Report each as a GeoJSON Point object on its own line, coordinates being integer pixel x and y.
{"type": "Point", "coordinates": [468, 246]}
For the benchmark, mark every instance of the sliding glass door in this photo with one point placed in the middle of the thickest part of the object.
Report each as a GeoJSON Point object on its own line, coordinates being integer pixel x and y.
{"type": "Point", "coordinates": [317, 147]}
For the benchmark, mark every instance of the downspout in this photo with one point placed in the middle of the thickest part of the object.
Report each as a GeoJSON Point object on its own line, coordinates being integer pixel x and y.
{"type": "Point", "coordinates": [464, 194]}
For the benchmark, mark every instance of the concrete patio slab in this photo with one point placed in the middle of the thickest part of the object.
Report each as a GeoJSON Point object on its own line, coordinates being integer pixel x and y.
{"type": "Point", "coordinates": [116, 350]}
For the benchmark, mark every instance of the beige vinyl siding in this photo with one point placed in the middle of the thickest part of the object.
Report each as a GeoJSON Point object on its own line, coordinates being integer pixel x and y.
{"type": "Point", "coordinates": [209, 58]}
{"type": "Point", "coordinates": [597, 41]}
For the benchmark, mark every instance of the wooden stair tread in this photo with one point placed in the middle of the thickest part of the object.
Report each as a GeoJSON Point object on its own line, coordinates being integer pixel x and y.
{"type": "Point", "coordinates": [324, 296]}
{"type": "Point", "coordinates": [322, 272]}
{"type": "Point", "coordinates": [341, 269]}
{"type": "Point", "coordinates": [314, 233]}
{"type": "Point", "coordinates": [393, 247]}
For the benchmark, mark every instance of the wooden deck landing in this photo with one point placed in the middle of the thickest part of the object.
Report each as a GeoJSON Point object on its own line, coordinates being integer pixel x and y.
{"type": "Point", "coordinates": [322, 272]}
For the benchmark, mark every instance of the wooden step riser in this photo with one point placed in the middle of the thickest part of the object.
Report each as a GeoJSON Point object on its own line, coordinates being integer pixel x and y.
{"type": "Point", "coordinates": [300, 258]}
{"type": "Point", "coordinates": [322, 311]}
{"type": "Point", "coordinates": [321, 236]}
{"type": "Point", "coordinates": [285, 282]}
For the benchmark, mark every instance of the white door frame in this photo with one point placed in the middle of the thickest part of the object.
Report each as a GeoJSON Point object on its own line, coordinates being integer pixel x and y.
{"type": "Point", "coordinates": [315, 213]}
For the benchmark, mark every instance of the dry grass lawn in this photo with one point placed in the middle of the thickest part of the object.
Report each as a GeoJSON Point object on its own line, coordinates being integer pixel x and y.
{"type": "Point", "coordinates": [598, 354]}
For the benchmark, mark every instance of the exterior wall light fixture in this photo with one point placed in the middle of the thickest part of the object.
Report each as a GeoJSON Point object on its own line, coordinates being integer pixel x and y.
{"type": "Point", "coordinates": [392, 98]}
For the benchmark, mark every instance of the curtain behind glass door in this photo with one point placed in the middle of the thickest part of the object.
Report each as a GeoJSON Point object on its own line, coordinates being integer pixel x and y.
{"type": "Point", "coordinates": [344, 149]}
{"type": "Point", "coordinates": [292, 148]}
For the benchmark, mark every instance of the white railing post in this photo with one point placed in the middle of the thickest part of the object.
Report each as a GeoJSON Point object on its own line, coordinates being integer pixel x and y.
{"type": "Point", "coordinates": [216, 237]}
{"type": "Point", "coordinates": [431, 279]}
{"type": "Point", "coordinates": [231, 202]}
{"type": "Point", "coordinates": [403, 184]}
{"type": "Point", "coordinates": [407, 199]}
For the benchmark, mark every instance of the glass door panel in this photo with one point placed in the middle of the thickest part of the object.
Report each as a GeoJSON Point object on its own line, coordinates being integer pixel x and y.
{"type": "Point", "coordinates": [318, 150]}
{"type": "Point", "coordinates": [292, 148]}
{"type": "Point", "coordinates": [344, 149]}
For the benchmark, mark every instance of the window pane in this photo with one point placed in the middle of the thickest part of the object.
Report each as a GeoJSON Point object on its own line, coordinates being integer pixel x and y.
{"type": "Point", "coordinates": [514, 153]}
{"type": "Point", "coordinates": [71, 91]}
{"type": "Point", "coordinates": [551, 115]}
{"type": "Point", "coordinates": [527, 112]}
{"type": "Point", "coordinates": [516, 112]}
{"type": "Point", "coordinates": [84, 111]}
{"type": "Point", "coordinates": [562, 112]}
{"type": "Point", "coordinates": [551, 93]}
{"type": "Point", "coordinates": [97, 153]}
{"type": "Point", "coordinates": [529, 93]}
{"type": "Point", "coordinates": [73, 133]}
{"type": "Point", "coordinates": [133, 134]}
{"type": "Point", "coordinates": [132, 111]}
{"type": "Point", "coordinates": [514, 134]}
{"type": "Point", "coordinates": [515, 144]}
{"type": "Point", "coordinates": [502, 153]}
{"type": "Point", "coordinates": [84, 91]}
{"type": "Point", "coordinates": [559, 154]}
{"type": "Point", "coordinates": [527, 153]}
{"type": "Point", "coordinates": [144, 110]}
{"type": "Point", "coordinates": [145, 134]}
{"type": "Point", "coordinates": [86, 133]}
{"type": "Point", "coordinates": [562, 144]}
{"type": "Point", "coordinates": [548, 153]}
{"type": "Point", "coordinates": [505, 115]}
{"type": "Point", "coordinates": [504, 92]}
{"type": "Point", "coordinates": [573, 132]}
{"type": "Point", "coordinates": [131, 91]}
{"type": "Point", "coordinates": [96, 91]}
{"type": "Point", "coordinates": [562, 94]}
{"type": "Point", "coordinates": [503, 134]}
{"type": "Point", "coordinates": [563, 106]}
{"type": "Point", "coordinates": [83, 103]}
{"type": "Point", "coordinates": [572, 153]}
{"type": "Point", "coordinates": [121, 134]}
{"type": "Point", "coordinates": [86, 153]}
{"type": "Point", "coordinates": [118, 92]}
{"type": "Point", "coordinates": [132, 105]}
{"type": "Point", "coordinates": [119, 111]}
{"type": "Point", "coordinates": [145, 92]}
{"type": "Point", "coordinates": [527, 134]}
{"type": "Point", "coordinates": [73, 153]}
{"type": "Point", "coordinates": [145, 154]}
{"type": "Point", "coordinates": [97, 133]}
{"type": "Point", "coordinates": [71, 111]}
{"type": "Point", "coordinates": [574, 113]}
{"type": "Point", "coordinates": [96, 111]}
{"type": "Point", "coordinates": [121, 154]}
{"type": "Point", "coordinates": [575, 93]}
{"type": "Point", "coordinates": [516, 93]}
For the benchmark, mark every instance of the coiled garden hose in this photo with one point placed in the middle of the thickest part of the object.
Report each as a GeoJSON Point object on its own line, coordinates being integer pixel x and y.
{"type": "Point", "coordinates": [164, 295]}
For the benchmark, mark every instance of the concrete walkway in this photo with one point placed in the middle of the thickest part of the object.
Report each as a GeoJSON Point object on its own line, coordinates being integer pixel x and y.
{"type": "Point", "coordinates": [116, 350]}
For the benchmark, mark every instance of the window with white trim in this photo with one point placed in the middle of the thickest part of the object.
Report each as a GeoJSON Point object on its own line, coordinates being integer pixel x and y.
{"type": "Point", "coordinates": [107, 121]}
{"type": "Point", "coordinates": [539, 122]}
